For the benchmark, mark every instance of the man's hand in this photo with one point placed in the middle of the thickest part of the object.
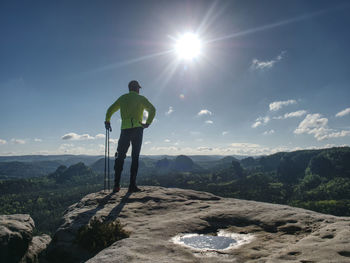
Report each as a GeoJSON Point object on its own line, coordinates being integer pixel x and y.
{"type": "Point", "coordinates": [108, 126]}
{"type": "Point", "coordinates": [144, 125]}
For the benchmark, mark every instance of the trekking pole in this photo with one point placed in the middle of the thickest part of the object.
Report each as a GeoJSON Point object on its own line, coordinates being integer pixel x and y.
{"type": "Point", "coordinates": [108, 161]}
{"type": "Point", "coordinates": [104, 179]}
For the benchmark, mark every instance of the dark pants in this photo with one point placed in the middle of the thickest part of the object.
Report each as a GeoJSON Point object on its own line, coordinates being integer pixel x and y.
{"type": "Point", "coordinates": [133, 135]}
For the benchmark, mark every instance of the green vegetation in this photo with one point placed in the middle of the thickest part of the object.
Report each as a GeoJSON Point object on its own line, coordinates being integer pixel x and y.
{"type": "Point", "coordinates": [318, 180]}
{"type": "Point", "coordinates": [99, 235]}
{"type": "Point", "coordinates": [46, 198]}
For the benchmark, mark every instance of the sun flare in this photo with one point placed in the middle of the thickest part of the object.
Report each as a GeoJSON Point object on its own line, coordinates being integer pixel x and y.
{"type": "Point", "coordinates": [188, 46]}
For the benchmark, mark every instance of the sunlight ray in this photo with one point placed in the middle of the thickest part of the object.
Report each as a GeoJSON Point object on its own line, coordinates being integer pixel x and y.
{"type": "Point", "coordinates": [130, 61]}
{"type": "Point", "coordinates": [208, 19]}
{"type": "Point", "coordinates": [165, 76]}
{"type": "Point", "coordinates": [274, 25]}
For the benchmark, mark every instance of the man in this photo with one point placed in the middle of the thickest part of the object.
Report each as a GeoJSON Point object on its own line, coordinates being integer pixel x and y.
{"type": "Point", "coordinates": [132, 106]}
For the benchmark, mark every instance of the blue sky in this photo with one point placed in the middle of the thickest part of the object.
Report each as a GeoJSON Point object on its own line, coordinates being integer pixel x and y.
{"type": "Point", "coordinates": [272, 75]}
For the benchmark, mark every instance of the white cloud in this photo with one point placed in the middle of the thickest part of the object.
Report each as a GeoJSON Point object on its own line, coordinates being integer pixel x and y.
{"type": "Point", "coordinates": [245, 148]}
{"type": "Point", "coordinates": [316, 125]}
{"type": "Point", "coordinates": [166, 140]}
{"type": "Point", "coordinates": [77, 137]}
{"type": "Point", "coordinates": [209, 122]}
{"type": "Point", "coordinates": [257, 64]}
{"type": "Point", "coordinates": [224, 133]}
{"type": "Point", "coordinates": [114, 141]}
{"type": "Point", "coordinates": [276, 105]}
{"type": "Point", "coordinates": [67, 145]}
{"type": "Point", "coordinates": [335, 135]}
{"type": "Point", "coordinates": [260, 121]}
{"type": "Point", "coordinates": [256, 124]}
{"type": "Point", "coordinates": [269, 132]}
{"type": "Point", "coordinates": [169, 150]}
{"type": "Point", "coordinates": [291, 115]}
{"type": "Point", "coordinates": [244, 145]}
{"type": "Point", "coordinates": [204, 112]}
{"type": "Point", "coordinates": [3, 141]}
{"type": "Point", "coordinates": [204, 149]}
{"type": "Point", "coordinates": [147, 142]}
{"type": "Point", "coordinates": [313, 124]}
{"type": "Point", "coordinates": [67, 148]}
{"type": "Point", "coordinates": [18, 141]}
{"type": "Point", "coordinates": [38, 140]}
{"type": "Point", "coordinates": [261, 65]}
{"type": "Point", "coordinates": [144, 116]}
{"type": "Point", "coordinates": [343, 112]}
{"type": "Point", "coordinates": [170, 111]}
{"type": "Point", "coordinates": [100, 136]}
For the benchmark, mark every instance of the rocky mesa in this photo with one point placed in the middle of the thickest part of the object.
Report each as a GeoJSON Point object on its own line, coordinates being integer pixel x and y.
{"type": "Point", "coordinates": [17, 243]}
{"type": "Point", "coordinates": [277, 233]}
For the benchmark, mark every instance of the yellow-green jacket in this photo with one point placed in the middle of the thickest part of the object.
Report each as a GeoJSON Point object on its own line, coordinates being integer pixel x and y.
{"type": "Point", "coordinates": [131, 107]}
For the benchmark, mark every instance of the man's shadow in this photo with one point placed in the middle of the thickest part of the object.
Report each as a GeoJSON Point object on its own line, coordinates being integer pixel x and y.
{"type": "Point", "coordinates": [114, 213]}
{"type": "Point", "coordinates": [85, 217]}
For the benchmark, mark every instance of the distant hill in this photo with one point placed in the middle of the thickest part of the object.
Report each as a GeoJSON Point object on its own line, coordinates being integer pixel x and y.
{"type": "Point", "coordinates": [181, 163]}
{"type": "Point", "coordinates": [73, 173]}
{"type": "Point", "coordinates": [38, 165]}
{"type": "Point", "coordinates": [222, 162]}
{"type": "Point", "coordinates": [66, 159]}
{"type": "Point", "coordinates": [292, 166]}
{"type": "Point", "coordinates": [99, 165]}
{"type": "Point", "coordinates": [17, 169]}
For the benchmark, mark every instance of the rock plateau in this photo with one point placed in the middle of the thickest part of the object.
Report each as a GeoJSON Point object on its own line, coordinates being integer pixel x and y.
{"type": "Point", "coordinates": [155, 215]}
{"type": "Point", "coordinates": [17, 243]}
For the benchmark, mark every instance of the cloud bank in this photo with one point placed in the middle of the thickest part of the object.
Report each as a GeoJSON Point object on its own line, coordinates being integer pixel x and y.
{"type": "Point", "coordinates": [317, 126]}
{"type": "Point", "coordinates": [269, 132]}
{"type": "Point", "coordinates": [277, 105]}
{"type": "Point", "coordinates": [294, 114]}
{"type": "Point", "coordinates": [18, 141]}
{"type": "Point", "coordinates": [343, 112]}
{"type": "Point", "coordinates": [261, 121]}
{"type": "Point", "coordinates": [261, 65]}
{"type": "Point", "coordinates": [77, 137]}
{"type": "Point", "coordinates": [204, 112]}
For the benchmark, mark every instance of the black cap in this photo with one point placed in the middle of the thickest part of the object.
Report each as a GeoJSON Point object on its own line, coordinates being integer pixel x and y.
{"type": "Point", "coordinates": [134, 84]}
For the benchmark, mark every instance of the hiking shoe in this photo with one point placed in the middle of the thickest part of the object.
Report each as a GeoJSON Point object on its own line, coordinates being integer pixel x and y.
{"type": "Point", "coordinates": [134, 189]}
{"type": "Point", "coordinates": [116, 189]}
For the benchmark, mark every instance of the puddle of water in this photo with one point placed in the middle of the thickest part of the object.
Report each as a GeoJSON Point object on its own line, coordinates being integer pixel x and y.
{"type": "Point", "coordinates": [206, 243]}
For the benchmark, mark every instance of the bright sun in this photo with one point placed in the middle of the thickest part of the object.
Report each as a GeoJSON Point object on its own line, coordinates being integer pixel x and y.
{"type": "Point", "coordinates": [188, 46]}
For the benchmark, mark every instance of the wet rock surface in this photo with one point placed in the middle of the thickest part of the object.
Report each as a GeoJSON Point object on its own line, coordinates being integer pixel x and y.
{"type": "Point", "coordinates": [281, 233]}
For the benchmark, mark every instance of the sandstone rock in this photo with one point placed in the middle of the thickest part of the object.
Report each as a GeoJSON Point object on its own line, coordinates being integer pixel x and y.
{"type": "Point", "coordinates": [36, 247]}
{"type": "Point", "coordinates": [281, 233]}
{"type": "Point", "coordinates": [15, 236]}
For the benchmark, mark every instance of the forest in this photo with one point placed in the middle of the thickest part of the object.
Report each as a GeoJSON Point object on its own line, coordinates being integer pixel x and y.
{"type": "Point", "coordinates": [318, 180]}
